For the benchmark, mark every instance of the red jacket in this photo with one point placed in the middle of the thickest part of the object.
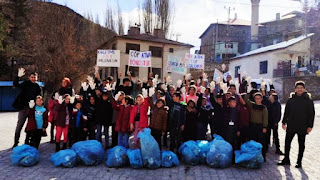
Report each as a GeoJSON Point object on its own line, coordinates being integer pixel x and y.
{"type": "Point", "coordinates": [144, 107]}
{"type": "Point", "coordinates": [61, 114]}
{"type": "Point", "coordinates": [51, 104]}
{"type": "Point", "coordinates": [31, 125]}
{"type": "Point", "coordinates": [122, 123]}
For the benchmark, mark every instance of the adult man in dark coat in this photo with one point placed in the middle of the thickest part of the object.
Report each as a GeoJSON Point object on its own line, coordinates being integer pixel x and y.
{"type": "Point", "coordinates": [298, 119]}
{"type": "Point", "coordinates": [29, 91]}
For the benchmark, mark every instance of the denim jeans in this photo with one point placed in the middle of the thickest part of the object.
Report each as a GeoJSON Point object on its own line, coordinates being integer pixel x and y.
{"type": "Point", "coordinates": [123, 139]}
{"type": "Point", "coordinates": [106, 134]}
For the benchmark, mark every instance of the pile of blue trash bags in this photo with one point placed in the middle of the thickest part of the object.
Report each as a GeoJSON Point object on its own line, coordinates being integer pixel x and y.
{"type": "Point", "coordinates": [25, 155]}
{"type": "Point", "coordinates": [218, 153]}
{"type": "Point", "coordinates": [65, 158]}
{"type": "Point", "coordinates": [249, 156]}
{"type": "Point", "coordinates": [148, 156]}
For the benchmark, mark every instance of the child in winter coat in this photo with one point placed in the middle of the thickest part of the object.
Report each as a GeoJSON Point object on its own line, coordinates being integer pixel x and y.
{"type": "Point", "coordinates": [37, 121]}
{"type": "Point", "coordinates": [104, 114]}
{"type": "Point", "coordinates": [51, 116]}
{"type": "Point", "coordinates": [63, 117]}
{"type": "Point", "coordinates": [91, 123]}
{"type": "Point", "coordinates": [177, 122]}
{"type": "Point", "coordinates": [204, 116]}
{"type": "Point", "coordinates": [191, 122]}
{"type": "Point", "coordinates": [123, 118]}
{"type": "Point", "coordinates": [139, 116]}
{"type": "Point", "coordinates": [231, 123]}
{"type": "Point", "coordinates": [78, 124]}
{"type": "Point", "coordinates": [158, 121]}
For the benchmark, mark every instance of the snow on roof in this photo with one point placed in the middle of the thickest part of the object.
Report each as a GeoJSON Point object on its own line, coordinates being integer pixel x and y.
{"type": "Point", "coordinates": [281, 45]}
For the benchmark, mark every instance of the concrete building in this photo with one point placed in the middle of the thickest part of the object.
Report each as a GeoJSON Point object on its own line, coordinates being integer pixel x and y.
{"type": "Point", "coordinates": [159, 46]}
{"type": "Point", "coordinates": [285, 59]}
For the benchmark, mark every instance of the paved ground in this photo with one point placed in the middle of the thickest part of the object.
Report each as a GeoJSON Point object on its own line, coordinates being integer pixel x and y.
{"type": "Point", "coordinates": [45, 170]}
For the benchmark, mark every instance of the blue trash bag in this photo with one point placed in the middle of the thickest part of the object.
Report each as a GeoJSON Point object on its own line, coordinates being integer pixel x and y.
{"type": "Point", "coordinates": [204, 149]}
{"type": "Point", "coordinates": [25, 155]}
{"type": "Point", "coordinates": [190, 153]}
{"type": "Point", "coordinates": [220, 154]}
{"type": "Point", "coordinates": [249, 156]}
{"type": "Point", "coordinates": [89, 152]}
{"type": "Point", "coordinates": [169, 159]}
{"type": "Point", "coordinates": [64, 158]}
{"type": "Point", "coordinates": [135, 158]}
{"type": "Point", "coordinates": [217, 137]}
{"type": "Point", "coordinates": [117, 157]}
{"type": "Point", "coordinates": [150, 150]}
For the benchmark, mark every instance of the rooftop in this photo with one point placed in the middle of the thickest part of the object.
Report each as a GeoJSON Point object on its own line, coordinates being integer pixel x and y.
{"type": "Point", "coordinates": [151, 38]}
{"type": "Point", "coordinates": [281, 45]}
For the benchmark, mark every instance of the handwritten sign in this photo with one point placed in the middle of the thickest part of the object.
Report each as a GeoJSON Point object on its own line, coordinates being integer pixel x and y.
{"type": "Point", "coordinates": [139, 59]}
{"type": "Point", "coordinates": [108, 58]}
{"type": "Point", "coordinates": [177, 65]}
{"type": "Point", "coordinates": [196, 61]}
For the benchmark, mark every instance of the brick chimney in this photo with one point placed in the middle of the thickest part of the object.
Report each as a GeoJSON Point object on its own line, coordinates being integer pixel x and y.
{"type": "Point", "coordinates": [159, 33]}
{"type": "Point", "coordinates": [134, 31]}
{"type": "Point", "coordinates": [254, 19]}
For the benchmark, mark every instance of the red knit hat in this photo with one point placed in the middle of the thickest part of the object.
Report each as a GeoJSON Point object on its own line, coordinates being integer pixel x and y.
{"type": "Point", "coordinates": [67, 80]}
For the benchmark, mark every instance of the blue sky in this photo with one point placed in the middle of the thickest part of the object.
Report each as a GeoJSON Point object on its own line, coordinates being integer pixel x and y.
{"type": "Point", "coordinates": [192, 17]}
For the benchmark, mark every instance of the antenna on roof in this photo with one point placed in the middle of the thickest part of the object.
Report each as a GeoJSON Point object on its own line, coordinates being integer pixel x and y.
{"type": "Point", "coordinates": [177, 35]}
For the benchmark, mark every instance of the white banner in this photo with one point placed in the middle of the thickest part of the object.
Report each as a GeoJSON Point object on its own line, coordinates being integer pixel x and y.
{"type": "Point", "coordinates": [177, 65]}
{"type": "Point", "coordinates": [196, 61]}
{"type": "Point", "coordinates": [108, 58]}
{"type": "Point", "coordinates": [139, 59]}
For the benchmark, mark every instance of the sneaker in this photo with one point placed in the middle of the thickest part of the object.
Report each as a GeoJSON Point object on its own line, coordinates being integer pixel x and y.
{"type": "Point", "coordinates": [279, 152]}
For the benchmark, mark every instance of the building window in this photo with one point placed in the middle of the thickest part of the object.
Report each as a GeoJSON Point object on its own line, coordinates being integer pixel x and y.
{"type": "Point", "coordinates": [228, 46]}
{"type": "Point", "coordinates": [264, 67]}
{"type": "Point", "coordinates": [170, 50]}
{"type": "Point", "coordinates": [130, 46]}
{"type": "Point", "coordinates": [133, 70]}
{"type": "Point", "coordinates": [156, 71]}
{"type": "Point", "coordinates": [236, 71]}
{"type": "Point", "coordinates": [155, 51]}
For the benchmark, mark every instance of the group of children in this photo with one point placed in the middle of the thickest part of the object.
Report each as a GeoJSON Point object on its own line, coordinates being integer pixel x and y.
{"type": "Point", "coordinates": [239, 112]}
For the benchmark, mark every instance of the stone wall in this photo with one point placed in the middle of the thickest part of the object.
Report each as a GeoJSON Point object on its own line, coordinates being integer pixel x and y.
{"type": "Point", "coordinates": [312, 86]}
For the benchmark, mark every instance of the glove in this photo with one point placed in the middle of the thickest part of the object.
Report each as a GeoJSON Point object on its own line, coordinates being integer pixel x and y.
{"type": "Point", "coordinates": [231, 82]}
{"type": "Point", "coordinates": [151, 91]}
{"type": "Point", "coordinates": [155, 82]}
{"type": "Point", "coordinates": [21, 72]}
{"type": "Point", "coordinates": [96, 69]}
{"type": "Point", "coordinates": [262, 80]}
{"type": "Point", "coordinates": [72, 98]}
{"type": "Point", "coordinates": [31, 104]}
{"type": "Point", "coordinates": [164, 87]}
{"type": "Point", "coordinates": [179, 83]}
{"type": "Point", "coordinates": [183, 90]}
{"type": "Point", "coordinates": [168, 79]}
{"type": "Point", "coordinates": [199, 81]}
{"type": "Point", "coordinates": [263, 85]}
{"type": "Point", "coordinates": [212, 86]}
{"type": "Point", "coordinates": [187, 76]}
{"type": "Point", "coordinates": [92, 85]}
{"type": "Point", "coordinates": [56, 96]}
{"type": "Point", "coordinates": [60, 99]}
{"type": "Point", "coordinates": [108, 87]}
{"type": "Point", "coordinates": [84, 117]}
{"type": "Point", "coordinates": [84, 86]}
{"type": "Point", "coordinates": [90, 79]}
{"type": "Point", "coordinates": [75, 110]}
{"type": "Point", "coordinates": [156, 76]}
{"type": "Point", "coordinates": [218, 80]}
{"type": "Point", "coordinates": [114, 86]}
{"type": "Point", "coordinates": [270, 82]}
{"type": "Point", "coordinates": [204, 76]}
{"type": "Point", "coordinates": [144, 92]}
{"type": "Point", "coordinates": [117, 96]}
{"type": "Point", "coordinates": [128, 73]}
{"type": "Point", "coordinates": [225, 88]}
{"type": "Point", "coordinates": [202, 89]}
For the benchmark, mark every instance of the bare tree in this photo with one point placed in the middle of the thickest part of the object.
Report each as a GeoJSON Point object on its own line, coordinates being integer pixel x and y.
{"type": "Point", "coordinates": [110, 21]}
{"type": "Point", "coordinates": [148, 16]}
{"type": "Point", "coordinates": [120, 21]}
